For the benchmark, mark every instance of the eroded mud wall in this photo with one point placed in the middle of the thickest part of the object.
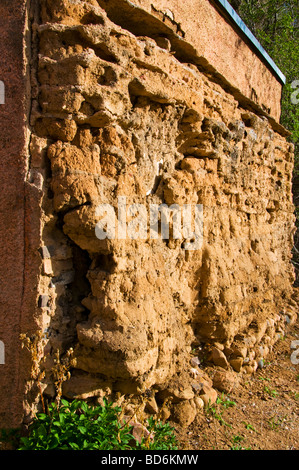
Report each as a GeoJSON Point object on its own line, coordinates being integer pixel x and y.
{"type": "Point", "coordinates": [119, 115]}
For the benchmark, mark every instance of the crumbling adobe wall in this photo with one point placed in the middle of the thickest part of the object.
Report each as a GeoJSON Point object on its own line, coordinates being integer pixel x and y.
{"type": "Point", "coordinates": [115, 114]}
{"type": "Point", "coordinates": [198, 29]}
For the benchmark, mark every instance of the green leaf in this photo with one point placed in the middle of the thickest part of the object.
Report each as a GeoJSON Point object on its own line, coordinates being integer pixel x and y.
{"type": "Point", "coordinates": [74, 446]}
{"type": "Point", "coordinates": [42, 432]}
{"type": "Point", "coordinates": [64, 402]}
{"type": "Point", "coordinates": [82, 429]}
{"type": "Point", "coordinates": [84, 406]}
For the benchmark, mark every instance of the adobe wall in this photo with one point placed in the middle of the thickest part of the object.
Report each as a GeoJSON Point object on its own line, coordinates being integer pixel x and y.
{"type": "Point", "coordinates": [14, 162]}
{"type": "Point", "coordinates": [116, 114]}
{"type": "Point", "coordinates": [198, 30]}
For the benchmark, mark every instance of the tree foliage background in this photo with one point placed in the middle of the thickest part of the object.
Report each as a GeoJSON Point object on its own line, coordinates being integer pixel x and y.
{"type": "Point", "coordinates": [275, 23]}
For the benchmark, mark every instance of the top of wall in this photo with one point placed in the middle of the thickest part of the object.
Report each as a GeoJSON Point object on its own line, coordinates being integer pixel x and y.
{"type": "Point", "coordinates": [230, 14]}
{"type": "Point", "coordinates": [210, 34]}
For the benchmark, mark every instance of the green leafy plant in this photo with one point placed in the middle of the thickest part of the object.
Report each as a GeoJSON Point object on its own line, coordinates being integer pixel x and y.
{"type": "Point", "coordinates": [215, 410]}
{"type": "Point", "coordinates": [225, 401]}
{"type": "Point", "coordinates": [236, 443]}
{"type": "Point", "coordinates": [249, 426]}
{"type": "Point", "coordinates": [264, 378]}
{"type": "Point", "coordinates": [273, 393]}
{"type": "Point", "coordinates": [164, 437]}
{"type": "Point", "coordinates": [79, 426]}
{"type": "Point", "coordinates": [275, 422]}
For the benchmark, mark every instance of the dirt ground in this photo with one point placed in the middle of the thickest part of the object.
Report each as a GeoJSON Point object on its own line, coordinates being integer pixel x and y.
{"type": "Point", "coordinates": [262, 413]}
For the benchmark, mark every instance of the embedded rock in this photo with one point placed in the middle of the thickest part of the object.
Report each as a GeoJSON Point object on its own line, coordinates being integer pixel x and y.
{"type": "Point", "coordinates": [219, 358]}
{"type": "Point", "coordinates": [185, 413]}
{"type": "Point", "coordinates": [225, 381]}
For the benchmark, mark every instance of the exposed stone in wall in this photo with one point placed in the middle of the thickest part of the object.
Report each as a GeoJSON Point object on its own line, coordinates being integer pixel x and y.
{"type": "Point", "coordinates": [118, 115]}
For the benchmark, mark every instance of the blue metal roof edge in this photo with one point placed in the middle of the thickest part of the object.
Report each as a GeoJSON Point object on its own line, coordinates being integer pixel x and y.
{"type": "Point", "coordinates": [242, 26]}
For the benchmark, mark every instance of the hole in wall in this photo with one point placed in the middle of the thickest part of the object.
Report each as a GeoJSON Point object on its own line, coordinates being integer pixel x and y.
{"type": "Point", "coordinates": [105, 262]}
